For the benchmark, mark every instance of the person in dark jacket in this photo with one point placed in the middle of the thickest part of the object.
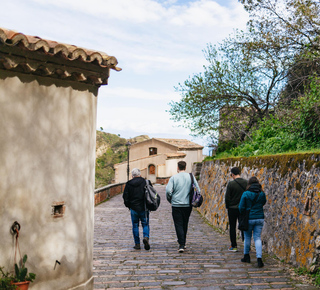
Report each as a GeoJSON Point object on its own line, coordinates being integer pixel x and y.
{"type": "Point", "coordinates": [234, 191]}
{"type": "Point", "coordinates": [253, 199]}
{"type": "Point", "coordinates": [134, 199]}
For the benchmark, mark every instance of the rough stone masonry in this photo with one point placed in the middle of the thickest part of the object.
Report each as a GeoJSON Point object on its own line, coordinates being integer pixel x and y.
{"type": "Point", "coordinates": [292, 213]}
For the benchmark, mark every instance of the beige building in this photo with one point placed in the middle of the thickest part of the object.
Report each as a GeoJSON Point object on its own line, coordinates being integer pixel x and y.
{"type": "Point", "coordinates": [48, 103]}
{"type": "Point", "coordinates": [157, 158]}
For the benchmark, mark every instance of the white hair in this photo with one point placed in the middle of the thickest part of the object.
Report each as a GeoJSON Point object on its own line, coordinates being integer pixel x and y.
{"type": "Point", "coordinates": [136, 172]}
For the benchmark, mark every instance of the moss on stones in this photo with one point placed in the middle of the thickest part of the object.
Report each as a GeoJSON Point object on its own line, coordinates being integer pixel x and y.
{"type": "Point", "coordinates": [283, 162]}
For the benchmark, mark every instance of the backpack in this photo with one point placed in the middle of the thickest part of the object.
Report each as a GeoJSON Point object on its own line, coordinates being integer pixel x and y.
{"type": "Point", "coordinates": [152, 197]}
{"type": "Point", "coordinates": [196, 198]}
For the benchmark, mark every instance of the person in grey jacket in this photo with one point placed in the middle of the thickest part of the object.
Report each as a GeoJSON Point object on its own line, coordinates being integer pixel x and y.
{"type": "Point", "coordinates": [253, 199]}
{"type": "Point", "coordinates": [177, 193]}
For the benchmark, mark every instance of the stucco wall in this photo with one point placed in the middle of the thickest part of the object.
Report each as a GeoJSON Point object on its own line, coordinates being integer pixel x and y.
{"type": "Point", "coordinates": [292, 212]}
{"type": "Point", "coordinates": [192, 156]}
{"type": "Point", "coordinates": [141, 149]}
{"type": "Point", "coordinates": [165, 167]}
{"type": "Point", "coordinates": [47, 157]}
{"type": "Point", "coordinates": [142, 164]}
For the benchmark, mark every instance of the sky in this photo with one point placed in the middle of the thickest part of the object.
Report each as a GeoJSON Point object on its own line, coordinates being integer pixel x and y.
{"type": "Point", "coordinates": [158, 44]}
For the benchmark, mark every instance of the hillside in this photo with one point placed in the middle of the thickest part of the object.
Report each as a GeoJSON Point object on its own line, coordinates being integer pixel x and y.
{"type": "Point", "coordinates": [110, 149]}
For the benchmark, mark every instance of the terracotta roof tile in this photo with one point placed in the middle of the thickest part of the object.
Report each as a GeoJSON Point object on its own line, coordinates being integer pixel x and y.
{"type": "Point", "coordinates": [175, 155]}
{"type": "Point", "coordinates": [181, 143]}
{"type": "Point", "coordinates": [32, 54]}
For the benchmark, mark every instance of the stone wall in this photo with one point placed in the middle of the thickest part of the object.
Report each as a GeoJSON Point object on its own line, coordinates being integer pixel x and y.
{"type": "Point", "coordinates": [106, 192]}
{"type": "Point", "coordinates": [292, 212]}
{"type": "Point", "coordinates": [162, 180]}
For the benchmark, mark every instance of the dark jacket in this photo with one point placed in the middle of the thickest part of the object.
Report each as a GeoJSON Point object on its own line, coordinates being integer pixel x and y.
{"type": "Point", "coordinates": [248, 197]}
{"type": "Point", "coordinates": [234, 192]}
{"type": "Point", "coordinates": [134, 194]}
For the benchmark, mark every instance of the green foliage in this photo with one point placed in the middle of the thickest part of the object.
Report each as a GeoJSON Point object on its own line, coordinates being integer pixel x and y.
{"type": "Point", "coordinates": [308, 113]}
{"type": "Point", "coordinates": [6, 280]}
{"type": "Point", "coordinates": [225, 146]}
{"type": "Point", "coordinates": [291, 131]}
{"type": "Point", "coordinates": [301, 271]}
{"type": "Point", "coordinates": [21, 272]}
{"type": "Point", "coordinates": [115, 152]}
{"type": "Point", "coordinates": [304, 271]}
{"type": "Point", "coordinates": [296, 26]}
{"type": "Point", "coordinates": [316, 277]}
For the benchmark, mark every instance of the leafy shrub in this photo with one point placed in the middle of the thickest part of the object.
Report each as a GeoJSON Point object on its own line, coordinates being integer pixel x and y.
{"type": "Point", "coordinates": [297, 129]}
{"type": "Point", "coordinates": [22, 272]}
{"type": "Point", "coordinates": [6, 280]}
{"type": "Point", "coordinates": [116, 153]}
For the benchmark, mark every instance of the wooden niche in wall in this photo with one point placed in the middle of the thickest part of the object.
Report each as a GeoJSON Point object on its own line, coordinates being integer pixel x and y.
{"type": "Point", "coordinates": [152, 169]}
{"type": "Point", "coordinates": [152, 151]}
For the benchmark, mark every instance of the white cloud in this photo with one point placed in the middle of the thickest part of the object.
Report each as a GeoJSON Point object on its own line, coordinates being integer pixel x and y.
{"type": "Point", "coordinates": [157, 43]}
{"type": "Point", "coordinates": [139, 121]}
{"type": "Point", "coordinates": [141, 94]}
{"type": "Point", "coordinates": [145, 35]}
{"type": "Point", "coordinates": [137, 11]}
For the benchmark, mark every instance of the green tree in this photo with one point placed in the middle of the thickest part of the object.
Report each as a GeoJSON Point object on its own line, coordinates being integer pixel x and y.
{"type": "Point", "coordinates": [239, 86]}
{"type": "Point", "coordinates": [294, 27]}
{"type": "Point", "coordinates": [294, 23]}
{"type": "Point", "coordinates": [307, 109]}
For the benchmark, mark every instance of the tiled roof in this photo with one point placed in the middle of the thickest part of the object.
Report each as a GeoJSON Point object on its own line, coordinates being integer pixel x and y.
{"type": "Point", "coordinates": [181, 143]}
{"type": "Point", "coordinates": [175, 155]}
{"type": "Point", "coordinates": [38, 56]}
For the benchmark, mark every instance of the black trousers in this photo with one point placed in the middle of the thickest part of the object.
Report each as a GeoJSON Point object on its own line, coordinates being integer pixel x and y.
{"type": "Point", "coordinates": [180, 217]}
{"type": "Point", "coordinates": [233, 215]}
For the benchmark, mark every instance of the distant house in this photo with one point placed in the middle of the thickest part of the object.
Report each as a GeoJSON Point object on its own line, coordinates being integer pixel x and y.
{"type": "Point", "coordinates": [157, 158]}
{"type": "Point", "coordinates": [48, 97]}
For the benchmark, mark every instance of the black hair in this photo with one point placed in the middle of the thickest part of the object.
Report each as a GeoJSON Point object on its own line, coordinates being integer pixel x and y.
{"type": "Point", "coordinates": [182, 165]}
{"type": "Point", "coordinates": [235, 170]}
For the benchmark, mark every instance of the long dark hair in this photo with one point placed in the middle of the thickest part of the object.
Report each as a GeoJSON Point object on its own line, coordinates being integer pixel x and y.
{"type": "Point", "coordinates": [252, 180]}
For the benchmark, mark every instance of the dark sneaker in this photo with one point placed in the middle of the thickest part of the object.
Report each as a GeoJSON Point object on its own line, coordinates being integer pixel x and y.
{"type": "Point", "coordinates": [181, 249]}
{"type": "Point", "coordinates": [137, 247]}
{"type": "Point", "coordinates": [260, 263]}
{"type": "Point", "coordinates": [246, 258]}
{"type": "Point", "coordinates": [146, 243]}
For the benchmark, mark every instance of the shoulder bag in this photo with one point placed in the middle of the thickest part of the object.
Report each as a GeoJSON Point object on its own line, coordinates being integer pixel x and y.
{"type": "Point", "coordinates": [243, 224]}
{"type": "Point", "coordinates": [196, 198]}
{"type": "Point", "coordinates": [152, 197]}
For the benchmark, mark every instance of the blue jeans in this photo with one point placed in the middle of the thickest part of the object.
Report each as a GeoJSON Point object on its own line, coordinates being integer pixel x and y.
{"type": "Point", "coordinates": [137, 216]}
{"type": "Point", "coordinates": [255, 227]}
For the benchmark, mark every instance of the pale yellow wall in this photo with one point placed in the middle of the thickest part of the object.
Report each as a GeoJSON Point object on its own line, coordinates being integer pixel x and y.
{"type": "Point", "coordinates": [47, 155]}
{"type": "Point", "coordinates": [165, 167]}
{"type": "Point", "coordinates": [161, 170]}
{"type": "Point", "coordinates": [142, 164]}
{"type": "Point", "coordinates": [192, 156]}
{"type": "Point", "coordinates": [171, 166]}
{"type": "Point", "coordinates": [139, 158]}
{"type": "Point", "coordinates": [141, 149]}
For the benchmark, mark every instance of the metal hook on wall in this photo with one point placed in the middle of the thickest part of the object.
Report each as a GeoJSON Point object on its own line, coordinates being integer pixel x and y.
{"type": "Point", "coordinates": [15, 228]}
{"type": "Point", "coordinates": [55, 264]}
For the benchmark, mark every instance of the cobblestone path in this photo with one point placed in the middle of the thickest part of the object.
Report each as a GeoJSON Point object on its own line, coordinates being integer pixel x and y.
{"type": "Point", "coordinates": [206, 263]}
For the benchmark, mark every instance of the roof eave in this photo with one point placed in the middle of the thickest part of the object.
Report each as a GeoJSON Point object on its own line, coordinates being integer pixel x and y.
{"type": "Point", "coordinates": [34, 55]}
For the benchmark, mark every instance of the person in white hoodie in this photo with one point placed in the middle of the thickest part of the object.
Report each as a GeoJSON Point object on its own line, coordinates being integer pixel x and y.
{"type": "Point", "coordinates": [177, 193]}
